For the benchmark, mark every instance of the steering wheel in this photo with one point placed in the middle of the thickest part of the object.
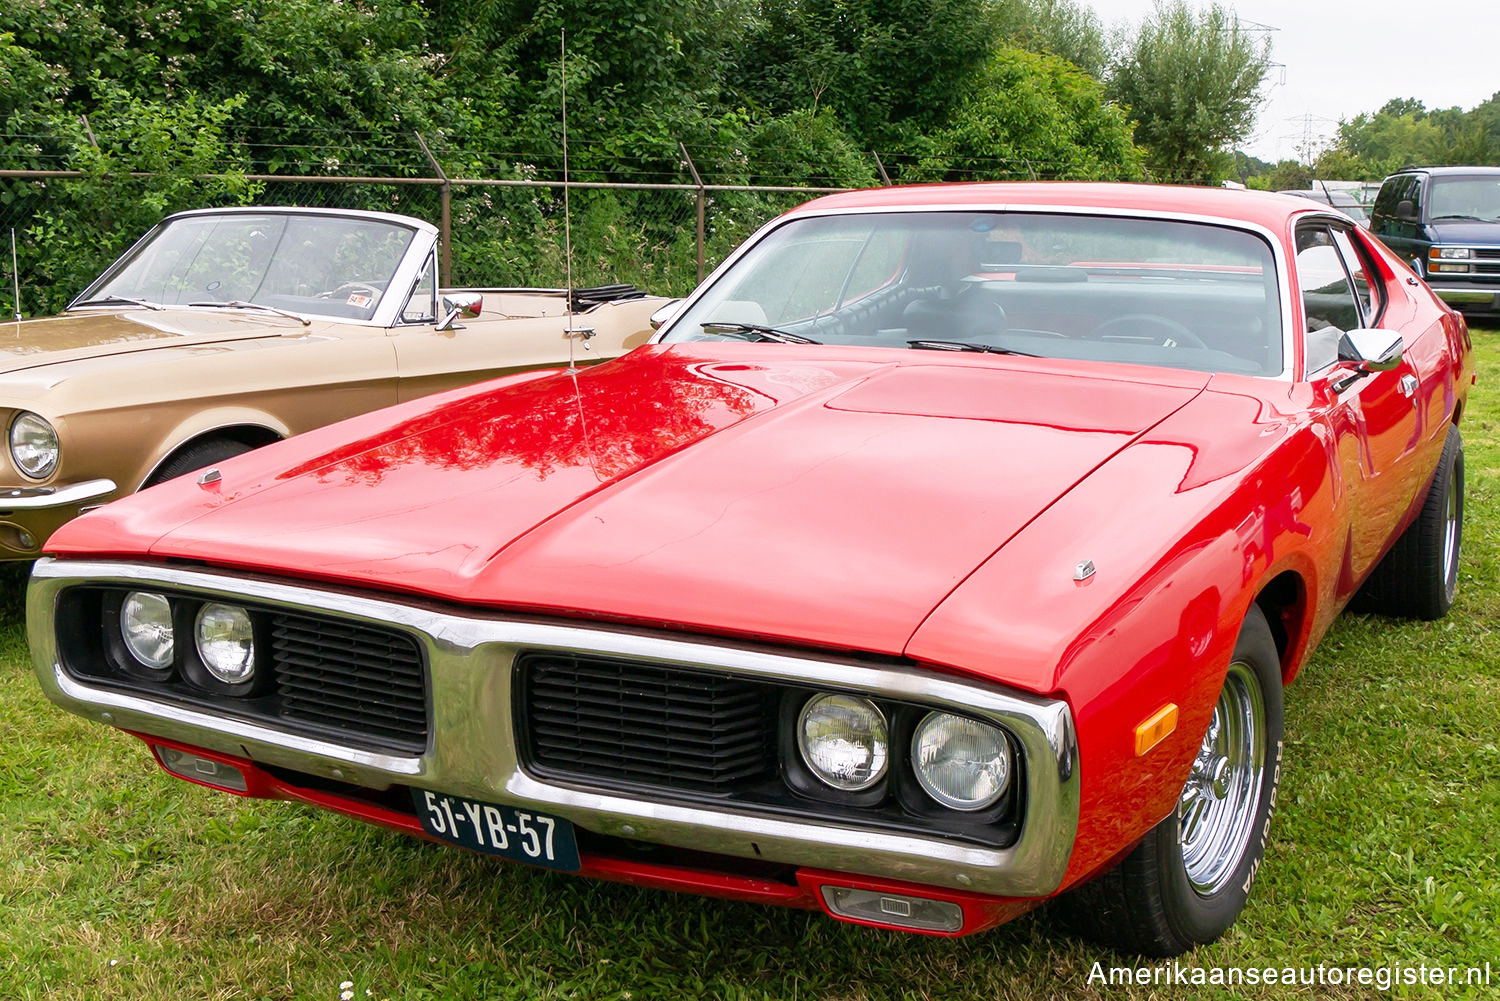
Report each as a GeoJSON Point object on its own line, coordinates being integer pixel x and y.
{"type": "Point", "coordinates": [1161, 330]}
{"type": "Point", "coordinates": [350, 287]}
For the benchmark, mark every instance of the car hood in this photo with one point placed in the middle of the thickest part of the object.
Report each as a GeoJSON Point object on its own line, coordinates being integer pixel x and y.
{"type": "Point", "coordinates": [31, 344]}
{"type": "Point", "coordinates": [753, 490]}
{"type": "Point", "coordinates": [1466, 232]}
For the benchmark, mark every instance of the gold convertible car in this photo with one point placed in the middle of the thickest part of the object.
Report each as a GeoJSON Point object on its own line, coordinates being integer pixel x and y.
{"type": "Point", "coordinates": [225, 329]}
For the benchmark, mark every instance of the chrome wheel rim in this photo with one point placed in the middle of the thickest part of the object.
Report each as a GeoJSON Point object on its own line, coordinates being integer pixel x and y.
{"type": "Point", "coordinates": [1217, 810]}
{"type": "Point", "coordinates": [1452, 523]}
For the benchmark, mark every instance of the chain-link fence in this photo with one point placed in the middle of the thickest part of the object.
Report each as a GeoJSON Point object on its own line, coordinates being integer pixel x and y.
{"type": "Point", "coordinates": [659, 225]}
{"type": "Point", "coordinates": [660, 237]}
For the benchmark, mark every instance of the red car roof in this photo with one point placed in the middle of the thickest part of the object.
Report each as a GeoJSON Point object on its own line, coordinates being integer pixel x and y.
{"type": "Point", "coordinates": [1266, 208]}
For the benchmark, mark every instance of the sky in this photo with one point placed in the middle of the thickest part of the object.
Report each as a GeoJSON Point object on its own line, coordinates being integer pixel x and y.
{"type": "Point", "coordinates": [1338, 59]}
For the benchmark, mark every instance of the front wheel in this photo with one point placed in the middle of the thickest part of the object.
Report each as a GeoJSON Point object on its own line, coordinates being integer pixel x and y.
{"type": "Point", "coordinates": [1188, 879]}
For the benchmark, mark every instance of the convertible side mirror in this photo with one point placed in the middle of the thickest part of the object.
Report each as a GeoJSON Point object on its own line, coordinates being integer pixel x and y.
{"type": "Point", "coordinates": [459, 304]}
{"type": "Point", "coordinates": [665, 313]}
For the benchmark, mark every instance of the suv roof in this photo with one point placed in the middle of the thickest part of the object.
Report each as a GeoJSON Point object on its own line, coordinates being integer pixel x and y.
{"type": "Point", "coordinates": [1449, 169]}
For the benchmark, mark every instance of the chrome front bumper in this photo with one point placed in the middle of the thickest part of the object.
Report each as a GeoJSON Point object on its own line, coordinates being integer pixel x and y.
{"type": "Point", "coordinates": [47, 498]}
{"type": "Point", "coordinates": [472, 751]}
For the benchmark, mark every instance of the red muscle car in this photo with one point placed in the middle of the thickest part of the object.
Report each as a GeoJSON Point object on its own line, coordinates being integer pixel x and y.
{"type": "Point", "coordinates": [946, 552]}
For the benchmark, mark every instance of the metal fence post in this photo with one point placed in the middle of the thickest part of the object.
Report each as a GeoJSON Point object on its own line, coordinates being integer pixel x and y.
{"type": "Point", "coordinates": [445, 261]}
{"type": "Point", "coordinates": [702, 206]}
{"type": "Point", "coordinates": [884, 177]}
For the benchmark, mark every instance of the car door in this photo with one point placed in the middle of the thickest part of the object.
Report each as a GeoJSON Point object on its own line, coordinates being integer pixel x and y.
{"type": "Point", "coordinates": [1373, 418]}
{"type": "Point", "coordinates": [430, 360]}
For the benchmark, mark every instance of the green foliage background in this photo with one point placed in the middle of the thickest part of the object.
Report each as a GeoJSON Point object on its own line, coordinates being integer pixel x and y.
{"type": "Point", "coordinates": [198, 94]}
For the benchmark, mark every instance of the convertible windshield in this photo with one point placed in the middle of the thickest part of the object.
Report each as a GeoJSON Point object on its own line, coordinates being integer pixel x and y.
{"type": "Point", "coordinates": [304, 264]}
{"type": "Point", "coordinates": [1102, 288]}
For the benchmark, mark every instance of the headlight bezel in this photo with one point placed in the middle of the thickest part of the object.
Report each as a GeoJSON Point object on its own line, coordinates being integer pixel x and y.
{"type": "Point", "coordinates": [186, 672]}
{"type": "Point", "coordinates": [900, 793]}
{"type": "Point", "coordinates": [34, 471]}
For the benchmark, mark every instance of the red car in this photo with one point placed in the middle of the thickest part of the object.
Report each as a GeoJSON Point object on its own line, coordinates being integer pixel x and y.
{"type": "Point", "coordinates": [946, 552]}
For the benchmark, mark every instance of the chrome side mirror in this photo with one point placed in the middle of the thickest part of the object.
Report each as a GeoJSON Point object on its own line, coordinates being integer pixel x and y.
{"type": "Point", "coordinates": [459, 304]}
{"type": "Point", "coordinates": [665, 313]}
{"type": "Point", "coordinates": [1371, 349]}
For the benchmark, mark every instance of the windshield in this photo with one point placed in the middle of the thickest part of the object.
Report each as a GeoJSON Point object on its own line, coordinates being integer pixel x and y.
{"type": "Point", "coordinates": [1466, 198]}
{"type": "Point", "coordinates": [318, 264]}
{"type": "Point", "coordinates": [1121, 289]}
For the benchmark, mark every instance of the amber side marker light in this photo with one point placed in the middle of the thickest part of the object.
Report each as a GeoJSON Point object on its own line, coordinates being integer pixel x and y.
{"type": "Point", "coordinates": [1155, 730]}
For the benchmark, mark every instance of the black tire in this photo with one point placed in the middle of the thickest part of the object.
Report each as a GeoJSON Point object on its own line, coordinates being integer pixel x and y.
{"type": "Point", "coordinates": [1418, 578]}
{"type": "Point", "coordinates": [195, 457]}
{"type": "Point", "coordinates": [1160, 902]}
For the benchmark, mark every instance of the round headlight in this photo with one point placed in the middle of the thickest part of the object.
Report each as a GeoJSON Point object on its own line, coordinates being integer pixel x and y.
{"type": "Point", "coordinates": [843, 740]}
{"type": "Point", "coordinates": [226, 642]}
{"type": "Point", "coordinates": [33, 445]}
{"type": "Point", "coordinates": [962, 763]}
{"type": "Point", "coordinates": [146, 627]}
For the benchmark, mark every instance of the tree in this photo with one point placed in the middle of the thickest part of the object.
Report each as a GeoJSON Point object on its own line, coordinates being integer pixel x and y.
{"type": "Point", "coordinates": [1062, 27]}
{"type": "Point", "coordinates": [1192, 82]}
{"type": "Point", "coordinates": [1032, 115]}
{"type": "Point", "coordinates": [890, 69]}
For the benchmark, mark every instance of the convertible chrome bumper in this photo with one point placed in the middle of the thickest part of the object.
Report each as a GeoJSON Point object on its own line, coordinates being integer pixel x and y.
{"type": "Point", "coordinates": [46, 498]}
{"type": "Point", "coordinates": [472, 751]}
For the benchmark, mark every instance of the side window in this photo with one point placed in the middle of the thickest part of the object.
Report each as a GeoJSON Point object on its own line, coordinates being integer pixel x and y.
{"type": "Point", "coordinates": [1328, 298]}
{"type": "Point", "coordinates": [421, 305]}
{"type": "Point", "coordinates": [1357, 263]}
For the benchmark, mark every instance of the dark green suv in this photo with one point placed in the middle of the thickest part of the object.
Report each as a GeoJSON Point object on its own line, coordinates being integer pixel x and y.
{"type": "Point", "coordinates": [1446, 222]}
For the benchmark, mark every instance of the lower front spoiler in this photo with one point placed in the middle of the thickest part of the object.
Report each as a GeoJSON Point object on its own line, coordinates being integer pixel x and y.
{"type": "Point", "coordinates": [875, 902]}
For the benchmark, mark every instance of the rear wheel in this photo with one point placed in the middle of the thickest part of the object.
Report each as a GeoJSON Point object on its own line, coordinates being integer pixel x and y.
{"type": "Point", "coordinates": [1418, 578]}
{"type": "Point", "coordinates": [1188, 879]}
{"type": "Point", "coordinates": [197, 456]}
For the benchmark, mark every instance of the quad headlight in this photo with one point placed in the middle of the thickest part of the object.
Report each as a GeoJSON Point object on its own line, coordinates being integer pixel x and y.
{"type": "Point", "coordinates": [844, 741]}
{"type": "Point", "coordinates": [146, 628]}
{"type": "Point", "coordinates": [960, 762]}
{"type": "Point", "coordinates": [226, 642]}
{"type": "Point", "coordinates": [33, 445]}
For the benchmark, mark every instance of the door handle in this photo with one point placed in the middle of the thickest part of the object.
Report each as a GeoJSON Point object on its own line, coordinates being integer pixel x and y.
{"type": "Point", "coordinates": [1408, 385]}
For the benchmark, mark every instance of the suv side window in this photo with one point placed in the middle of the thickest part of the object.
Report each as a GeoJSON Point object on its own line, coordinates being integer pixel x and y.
{"type": "Point", "coordinates": [1328, 295]}
{"type": "Point", "coordinates": [1397, 189]}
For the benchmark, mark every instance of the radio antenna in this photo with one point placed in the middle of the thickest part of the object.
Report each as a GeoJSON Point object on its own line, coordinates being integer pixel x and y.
{"type": "Point", "coordinates": [570, 332]}
{"type": "Point", "coordinates": [15, 272]}
{"type": "Point", "coordinates": [567, 206]}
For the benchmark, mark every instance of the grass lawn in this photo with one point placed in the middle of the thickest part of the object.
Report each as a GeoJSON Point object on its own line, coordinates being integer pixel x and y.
{"type": "Point", "coordinates": [117, 881]}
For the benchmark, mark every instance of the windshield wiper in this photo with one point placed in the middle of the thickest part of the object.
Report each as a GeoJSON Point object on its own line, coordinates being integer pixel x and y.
{"type": "Point", "coordinates": [1469, 218]}
{"type": "Point", "coordinates": [766, 333]}
{"type": "Point", "coordinates": [993, 349]}
{"type": "Point", "coordinates": [106, 300]}
{"type": "Point", "coordinates": [242, 304]}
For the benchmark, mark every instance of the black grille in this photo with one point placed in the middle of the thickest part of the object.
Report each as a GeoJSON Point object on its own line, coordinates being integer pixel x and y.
{"type": "Point", "coordinates": [605, 720]}
{"type": "Point", "coordinates": [362, 681]}
{"type": "Point", "coordinates": [1486, 253]}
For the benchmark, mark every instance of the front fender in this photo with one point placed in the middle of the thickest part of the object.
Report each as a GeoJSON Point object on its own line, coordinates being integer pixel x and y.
{"type": "Point", "coordinates": [1181, 545]}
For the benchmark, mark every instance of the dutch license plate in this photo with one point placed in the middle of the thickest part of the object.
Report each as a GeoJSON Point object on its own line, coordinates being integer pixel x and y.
{"type": "Point", "coordinates": [522, 835]}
